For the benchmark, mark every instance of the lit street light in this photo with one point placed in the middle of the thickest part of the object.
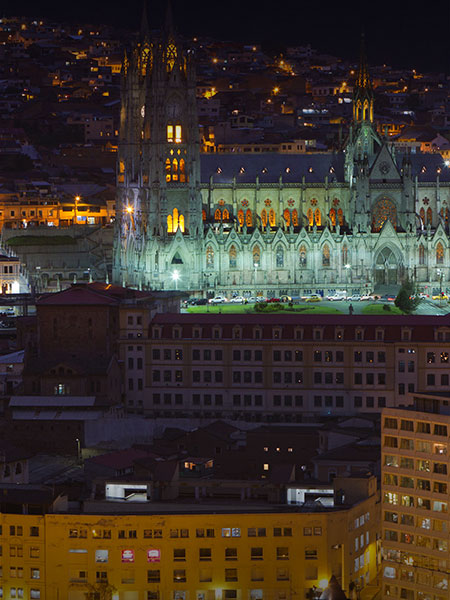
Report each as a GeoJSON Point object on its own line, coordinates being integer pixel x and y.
{"type": "Point", "coordinates": [176, 277]}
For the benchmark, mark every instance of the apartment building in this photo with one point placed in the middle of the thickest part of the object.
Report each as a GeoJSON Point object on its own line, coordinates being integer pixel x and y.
{"type": "Point", "coordinates": [183, 551]}
{"type": "Point", "coordinates": [415, 500]}
{"type": "Point", "coordinates": [283, 367]}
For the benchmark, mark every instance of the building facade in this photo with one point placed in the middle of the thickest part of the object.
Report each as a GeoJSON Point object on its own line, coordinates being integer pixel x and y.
{"type": "Point", "coordinates": [282, 367]}
{"type": "Point", "coordinates": [265, 223]}
{"type": "Point", "coordinates": [415, 501]}
{"type": "Point", "coordinates": [189, 553]}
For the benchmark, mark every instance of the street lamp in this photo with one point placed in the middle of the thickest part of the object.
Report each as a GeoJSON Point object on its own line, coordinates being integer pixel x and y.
{"type": "Point", "coordinates": [176, 277]}
{"type": "Point", "coordinates": [440, 274]}
{"type": "Point", "coordinates": [349, 271]}
{"type": "Point", "coordinates": [78, 450]}
{"type": "Point", "coordinates": [255, 264]}
{"type": "Point", "coordinates": [129, 209]}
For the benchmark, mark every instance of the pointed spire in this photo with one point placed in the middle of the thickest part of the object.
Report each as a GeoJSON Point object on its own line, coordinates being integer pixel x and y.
{"type": "Point", "coordinates": [168, 26]}
{"type": "Point", "coordinates": [144, 33]}
{"type": "Point", "coordinates": [363, 80]}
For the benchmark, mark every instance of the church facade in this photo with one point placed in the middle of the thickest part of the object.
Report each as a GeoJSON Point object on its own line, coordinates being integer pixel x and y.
{"type": "Point", "coordinates": [266, 224]}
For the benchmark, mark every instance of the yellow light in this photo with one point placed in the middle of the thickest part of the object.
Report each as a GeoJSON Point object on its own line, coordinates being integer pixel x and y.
{"type": "Point", "coordinates": [129, 209]}
{"type": "Point", "coordinates": [275, 90]}
{"type": "Point", "coordinates": [77, 198]}
{"type": "Point", "coordinates": [323, 583]}
{"type": "Point", "coordinates": [215, 60]}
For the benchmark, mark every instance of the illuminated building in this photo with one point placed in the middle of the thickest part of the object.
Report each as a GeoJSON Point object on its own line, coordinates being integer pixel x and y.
{"type": "Point", "coordinates": [415, 499]}
{"type": "Point", "coordinates": [265, 223]}
{"type": "Point", "coordinates": [183, 551]}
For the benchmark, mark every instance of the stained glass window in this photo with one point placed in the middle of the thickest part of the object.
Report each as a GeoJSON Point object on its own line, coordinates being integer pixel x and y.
{"type": "Point", "coordinates": [256, 256]}
{"type": "Point", "coordinates": [232, 256]}
{"type": "Point", "coordinates": [287, 216]}
{"type": "Point", "coordinates": [272, 218]}
{"type": "Point", "coordinates": [217, 215]}
{"type": "Point", "coordinates": [429, 216]}
{"type": "Point", "coordinates": [280, 256]}
{"type": "Point", "coordinates": [383, 211]}
{"type": "Point", "coordinates": [421, 255]}
{"type": "Point", "coordinates": [209, 257]}
{"type": "Point", "coordinates": [318, 217]}
{"type": "Point", "coordinates": [203, 215]}
{"type": "Point", "coordinates": [295, 218]}
{"type": "Point", "coordinates": [248, 218]}
{"type": "Point", "coordinates": [333, 217]}
{"type": "Point", "coordinates": [340, 214]}
{"type": "Point", "coordinates": [310, 217]}
{"type": "Point", "coordinates": [264, 218]}
{"type": "Point", "coordinates": [439, 254]}
{"type": "Point", "coordinates": [326, 255]}
{"type": "Point", "coordinates": [182, 170]}
{"type": "Point", "coordinates": [302, 255]}
{"type": "Point", "coordinates": [344, 255]}
{"type": "Point", "coordinates": [240, 216]}
{"type": "Point", "coordinates": [422, 216]}
{"type": "Point", "coordinates": [171, 56]}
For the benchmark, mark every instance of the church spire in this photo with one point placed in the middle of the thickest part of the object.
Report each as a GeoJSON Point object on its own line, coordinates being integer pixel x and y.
{"type": "Point", "coordinates": [169, 29]}
{"type": "Point", "coordinates": [144, 32]}
{"type": "Point", "coordinates": [363, 92]}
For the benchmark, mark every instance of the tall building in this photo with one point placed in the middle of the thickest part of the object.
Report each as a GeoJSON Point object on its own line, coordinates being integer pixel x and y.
{"type": "Point", "coordinates": [265, 223]}
{"type": "Point", "coordinates": [415, 446]}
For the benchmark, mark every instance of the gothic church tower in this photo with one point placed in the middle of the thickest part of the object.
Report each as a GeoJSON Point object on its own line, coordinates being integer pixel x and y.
{"type": "Point", "coordinates": [158, 214]}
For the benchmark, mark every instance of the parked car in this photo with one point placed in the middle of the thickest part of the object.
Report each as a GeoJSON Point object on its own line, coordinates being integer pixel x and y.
{"type": "Point", "coordinates": [237, 300]}
{"type": "Point", "coordinates": [201, 302]}
{"type": "Point", "coordinates": [252, 300]}
{"type": "Point", "coordinates": [367, 297]}
{"type": "Point", "coordinates": [274, 300]}
{"type": "Point", "coordinates": [387, 298]}
{"type": "Point", "coordinates": [218, 300]}
{"type": "Point", "coordinates": [440, 297]}
{"type": "Point", "coordinates": [339, 295]}
{"type": "Point", "coordinates": [354, 298]}
{"type": "Point", "coordinates": [312, 298]}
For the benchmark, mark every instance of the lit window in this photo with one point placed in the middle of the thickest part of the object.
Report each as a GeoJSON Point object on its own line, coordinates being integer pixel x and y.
{"type": "Point", "coordinates": [170, 133]}
{"type": "Point", "coordinates": [177, 134]}
{"type": "Point", "coordinates": [266, 466]}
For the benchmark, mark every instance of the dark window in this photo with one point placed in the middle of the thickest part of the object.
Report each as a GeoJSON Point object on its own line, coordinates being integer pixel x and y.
{"type": "Point", "coordinates": [358, 356]}
{"type": "Point", "coordinates": [381, 357]}
{"type": "Point", "coordinates": [357, 401]}
{"type": "Point", "coordinates": [277, 355]}
{"type": "Point", "coordinates": [317, 377]}
{"type": "Point", "coordinates": [358, 378]}
{"type": "Point", "coordinates": [218, 355]}
{"type": "Point", "coordinates": [430, 379]}
{"type": "Point", "coordinates": [317, 356]}
{"type": "Point", "coordinates": [339, 401]}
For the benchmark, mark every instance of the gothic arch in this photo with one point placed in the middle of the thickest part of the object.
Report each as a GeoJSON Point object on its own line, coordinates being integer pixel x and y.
{"type": "Point", "coordinates": [439, 253]}
{"type": "Point", "coordinates": [279, 256]}
{"type": "Point", "coordinates": [326, 260]}
{"type": "Point", "coordinates": [388, 265]}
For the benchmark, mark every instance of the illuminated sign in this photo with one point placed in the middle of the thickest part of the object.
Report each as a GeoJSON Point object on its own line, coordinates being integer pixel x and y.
{"type": "Point", "coordinates": [127, 556]}
{"type": "Point", "coordinates": [153, 555]}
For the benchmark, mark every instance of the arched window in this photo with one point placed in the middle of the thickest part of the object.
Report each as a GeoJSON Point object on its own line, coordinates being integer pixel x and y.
{"type": "Point", "coordinates": [310, 217]}
{"type": "Point", "coordinates": [217, 215]}
{"type": "Point", "coordinates": [429, 216]}
{"type": "Point", "coordinates": [175, 170]}
{"type": "Point", "coordinates": [272, 218]}
{"type": "Point", "coordinates": [302, 255]}
{"type": "Point", "coordinates": [280, 256]}
{"type": "Point", "coordinates": [225, 215]}
{"type": "Point", "coordinates": [344, 255]}
{"type": "Point", "coordinates": [326, 255]}
{"type": "Point", "coordinates": [203, 215]}
{"type": "Point", "coordinates": [168, 170]}
{"type": "Point", "coordinates": [170, 132]}
{"type": "Point", "coordinates": [248, 218]}
{"type": "Point", "coordinates": [439, 254]}
{"type": "Point", "coordinates": [333, 217]}
{"type": "Point", "coordinates": [240, 216]}
{"type": "Point", "coordinates": [182, 170]}
{"type": "Point", "coordinates": [295, 218]}
{"type": "Point", "coordinates": [175, 221]}
{"type": "Point", "coordinates": [421, 255]}
{"type": "Point", "coordinates": [18, 468]}
{"type": "Point", "coordinates": [340, 214]}
{"type": "Point", "coordinates": [264, 218]}
{"type": "Point", "coordinates": [233, 257]}
{"type": "Point", "coordinates": [287, 216]}
{"type": "Point", "coordinates": [256, 256]}
{"type": "Point", "coordinates": [209, 257]}
{"type": "Point", "coordinates": [422, 216]}
{"type": "Point", "coordinates": [318, 217]}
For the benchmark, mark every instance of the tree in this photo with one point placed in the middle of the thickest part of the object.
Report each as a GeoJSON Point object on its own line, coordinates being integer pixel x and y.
{"type": "Point", "coordinates": [100, 591]}
{"type": "Point", "coordinates": [407, 298]}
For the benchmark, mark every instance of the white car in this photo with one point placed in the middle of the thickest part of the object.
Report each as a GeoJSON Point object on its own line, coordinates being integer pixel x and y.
{"type": "Point", "coordinates": [237, 300]}
{"type": "Point", "coordinates": [336, 298]}
{"type": "Point", "coordinates": [354, 298]}
{"type": "Point", "coordinates": [218, 300]}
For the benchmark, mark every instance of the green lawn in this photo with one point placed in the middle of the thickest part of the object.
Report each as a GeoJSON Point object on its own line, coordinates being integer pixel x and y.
{"type": "Point", "coordinates": [377, 309]}
{"type": "Point", "coordinates": [305, 308]}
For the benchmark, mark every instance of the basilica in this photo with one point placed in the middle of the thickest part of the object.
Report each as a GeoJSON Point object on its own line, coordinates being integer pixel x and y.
{"type": "Point", "coordinates": [359, 219]}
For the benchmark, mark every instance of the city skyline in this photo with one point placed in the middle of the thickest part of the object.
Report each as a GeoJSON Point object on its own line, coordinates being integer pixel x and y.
{"type": "Point", "coordinates": [394, 36]}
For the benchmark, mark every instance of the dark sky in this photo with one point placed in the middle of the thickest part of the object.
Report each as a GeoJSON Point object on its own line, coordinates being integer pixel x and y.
{"type": "Point", "coordinates": [397, 33]}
